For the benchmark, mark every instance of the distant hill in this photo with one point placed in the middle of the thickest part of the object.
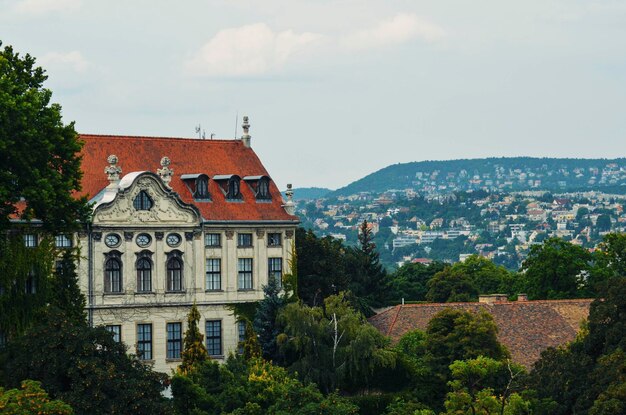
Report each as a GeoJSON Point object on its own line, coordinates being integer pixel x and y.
{"type": "Point", "coordinates": [506, 173]}
{"type": "Point", "coordinates": [309, 193]}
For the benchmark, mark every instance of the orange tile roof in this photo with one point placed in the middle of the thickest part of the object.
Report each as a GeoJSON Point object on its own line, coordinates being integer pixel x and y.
{"type": "Point", "coordinates": [526, 328]}
{"type": "Point", "coordinates": [188, 156]}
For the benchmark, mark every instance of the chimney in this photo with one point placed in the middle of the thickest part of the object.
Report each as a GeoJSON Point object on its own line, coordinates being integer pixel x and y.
{"type": "Point", "coordinates": [245, 138]}
{"type": "Point", "coordinates": [113, 172]}
{"type": "Point", "coordinates": [522, 297]}
{"type": "Point", "coordinates": [492, 298]}
{"type": "Point", "coordinates": [289, 206]}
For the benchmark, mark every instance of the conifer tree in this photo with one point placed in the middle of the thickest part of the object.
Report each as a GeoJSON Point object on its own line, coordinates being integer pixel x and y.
{"type": "Point", "coordinates": [194, 351]}
{"type": "Point", "coordinates": [251, 346]}
{"type": "Point", "coordinates": [265, 319]}
{"type": "Point", "coordinates": [65, 293]}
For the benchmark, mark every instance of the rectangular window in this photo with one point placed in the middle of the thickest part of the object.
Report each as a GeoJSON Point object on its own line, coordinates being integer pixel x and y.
{"type": "Point", "coordinates": [3, 339]}
{"type": "Point", "coordinates": [116, 331]}
{"type": "Point", "coordinates": [214, 337]}
{"type": "Point", "coordinates": [244, 267]}
{"type": "Point", "coordinates": [62, 241]}
{"type": "Point", "coordinates": [174, 340]}
{"type": "Point", "coordinates": [244, 240]}
{"type": "Point", "coordinates": [213, 274]}
{"type": "Point", "coordinates": [144, 341]}
{"type": "Point", "coordinates": [30, 285]}
{"type": "Point", "coordinates": [30, 240]}
{"type": "Point", "coordinates": [274, 239]}
{"type": "Point", "coordinates": [241, 336]}
{"type": "Point", "coordinates": [275, 270]}
{"type": "Point", "coordinates": [212, 239]}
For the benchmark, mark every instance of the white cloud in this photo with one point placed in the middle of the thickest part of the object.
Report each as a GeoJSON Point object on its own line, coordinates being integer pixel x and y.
{"type": "Point", "coordinates": [74, 60]}
{"type": "Point", "coordinates": [46, 6]}
{"type": "Point", "coordinates": [403, 27]}
{"type": "Point", "coordinates": [249, 50]}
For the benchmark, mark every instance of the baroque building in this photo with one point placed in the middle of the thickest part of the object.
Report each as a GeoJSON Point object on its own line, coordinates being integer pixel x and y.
{"type": "Point", "coordinates": [177, 222]}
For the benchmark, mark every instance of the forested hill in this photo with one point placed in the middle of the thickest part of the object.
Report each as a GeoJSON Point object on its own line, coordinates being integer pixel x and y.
{"type": "Point", "coordinates": [513, 173]}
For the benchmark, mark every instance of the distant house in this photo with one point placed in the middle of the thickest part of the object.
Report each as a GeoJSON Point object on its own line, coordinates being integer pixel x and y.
{"type": "Point", "coordinates": [526, 328]}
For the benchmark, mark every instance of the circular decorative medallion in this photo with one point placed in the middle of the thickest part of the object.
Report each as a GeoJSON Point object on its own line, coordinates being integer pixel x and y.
{"type": "Point", "coordinates": [173, 239]}
{"type": "Point", "coordinates": [112, 240]}
{"type": "Point", "coordinates": [143, 240]}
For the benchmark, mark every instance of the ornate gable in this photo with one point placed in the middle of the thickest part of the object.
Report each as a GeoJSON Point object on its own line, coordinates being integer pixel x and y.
{"type": "Point", "coordinates": [160, 205]}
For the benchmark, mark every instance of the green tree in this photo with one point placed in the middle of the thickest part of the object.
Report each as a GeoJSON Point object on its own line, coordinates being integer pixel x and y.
{"type": "Point", "coordinates": [251, 387]}
{"type": "Point", "coordinates": [486, 386]}
{"type": "Point", "coordinates": [609, 260]}
{"type": "Point", "coordinates": [265, 323]}
{"type": "Point", "coordinates": [368, 276]}
{"type": "Point", "coordinates": [194, 351]}
{"type": "Point", "coordinates": [458, 335]}
{"type": "Point", "coordinates": [38, 154]}
{"type": "Point", "coordinates": [451, 285]}
{"type": "Point", "coordinates": [603, 223]}
{"type": "Point", "coordinates": [410, 281]}
{"type": "Point", "coordinates": [487, 277]}
{"type": "Point", "coordinates": [65, 293]}
{"type": "Point", "coordinates": [333, 346]}
{"type": "Point", "coordinates": [31, 399]}
{"type": "Point", "coordinates": [84, 367]}
{"type": "Point", "coordinates": [556, 269]}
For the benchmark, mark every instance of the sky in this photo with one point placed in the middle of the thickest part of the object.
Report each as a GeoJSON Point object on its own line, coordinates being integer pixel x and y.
{"type": "Point", "coordinates": [338, 89]}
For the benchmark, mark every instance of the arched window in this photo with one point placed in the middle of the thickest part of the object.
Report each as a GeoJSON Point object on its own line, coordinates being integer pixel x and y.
{"type": "Point", "coordinates": [202, 188]}
{"type": "Point", "coordinates": [174, 274]}
{"type": "Point", "coordinates": [112, 276]}
{"type": "Point", "coordinates": [263, 191]}
{"type": "Point", "coordinates": [144, 275]}
{"type": "Point", "coordinates": [233, 188]}
{"type": "Point", "coordinates": [142, 201]}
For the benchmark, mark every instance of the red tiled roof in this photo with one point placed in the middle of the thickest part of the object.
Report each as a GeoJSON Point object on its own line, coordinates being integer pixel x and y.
{"type": "Point", "coordinates": [526, 328]}
{"type": "Point", "coordinates": [188, 156]}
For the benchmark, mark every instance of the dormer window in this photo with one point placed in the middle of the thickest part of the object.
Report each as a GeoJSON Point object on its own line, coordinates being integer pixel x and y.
{"type": "Point", "coordinates": [260, 185]}
{"type": "Point", "coordinates": [202, 188]}
{"type": "Point", "coordinates": [198, 185]}
{"type": "Point", "coordinates": [230, 185]}
{"type": "Point", "coordinates": [233, 188]}
{"type": "Point", "coordinates": [142, 201]}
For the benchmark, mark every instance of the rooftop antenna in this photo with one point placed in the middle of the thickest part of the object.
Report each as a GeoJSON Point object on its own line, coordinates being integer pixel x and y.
{"type": "Point", "coordinates": [201, 133]}
{"type": "Point", "coordinates": [236, 121]}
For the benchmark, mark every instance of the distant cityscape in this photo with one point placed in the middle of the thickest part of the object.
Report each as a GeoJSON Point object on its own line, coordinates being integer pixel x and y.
{"type": "Point", "coordinates": [495, 211]}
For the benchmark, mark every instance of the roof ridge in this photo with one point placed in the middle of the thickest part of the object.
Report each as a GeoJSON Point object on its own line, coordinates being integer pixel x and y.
{"type": "Point", "coordinates": [222, 140]}
{"type": "Point", "coordinates": [565, 300]}
{"type": "Point", "coordinates": [393, 323]}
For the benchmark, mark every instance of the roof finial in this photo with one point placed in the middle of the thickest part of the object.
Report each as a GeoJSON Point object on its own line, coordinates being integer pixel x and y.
{"type": "Point", "coordinates": [113, 171]}
{"type": "Point", "coordinates": [165, 172]}
{"type": "Point", "coordinates": [289, 206]}
{"type": "Point", "coordinates": [246, 129]}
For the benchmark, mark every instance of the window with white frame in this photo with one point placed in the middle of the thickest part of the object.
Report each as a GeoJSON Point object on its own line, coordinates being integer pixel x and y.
{"type": "Point", "coordinates": [144, 275]}
{"type": "Point", "coordinates": [274, 239]}
{"type": "Point", "coordinates": [30, 240]}
{"type": "Point", "coordinates": [113, 275]}
{"type": "Point", "coordinates": [62, 241]}
{"type": "Point", "coordinates": [174, 274]}
{"type": "Point", "coordinates": [275, 270]}
{"type": "Point", "coordinates": [174, 340]}
{"type": "Point", "coordinates": [212, 240]}
{"type": "Point", "coordinates": [116, 331]}
{"type": "Point", "coordinates": [213, 274]}
{"type": "Point", "coordinates": [244, 240]}
{"type": "Point", "coordinates": [244, 268]}
{"type": "Point", "coordinates": [214, 337]}
{"type": "Point", "coordinates": [144, 341]}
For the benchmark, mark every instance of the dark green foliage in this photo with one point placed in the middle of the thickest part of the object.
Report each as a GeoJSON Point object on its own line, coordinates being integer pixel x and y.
{"type": "Point", "coordinates": [194, 351]}
{"type": "Point", "coordinates": [368, 275]}
{"type": "Point", "coordinates": [84, 367]}
{"type": "Point", "coordinates": [589, 375]}
{"type": "Point", "coordinates": [24, 282]}
{"type": "Point", "coordinates": [409, 281]}
{"type": "Point", "coordinates": [38, 153]}
{"type": "Point", "coordinates": [450, 285]}
{"type": "Point", "coordinates": [333, 346]}
{"type": "Point", "coordinates": [31, 399]}
{"type": "Point", "coordinates": [556, 269]}
{"type": "Point", "coordinates": [265, 324]}
{"type": "Point", "coordinates": [65, 293]}
{"type": "Point", "coordinates": [603, 223]}
{"type": "Point", "coordinates": [250, 387]}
